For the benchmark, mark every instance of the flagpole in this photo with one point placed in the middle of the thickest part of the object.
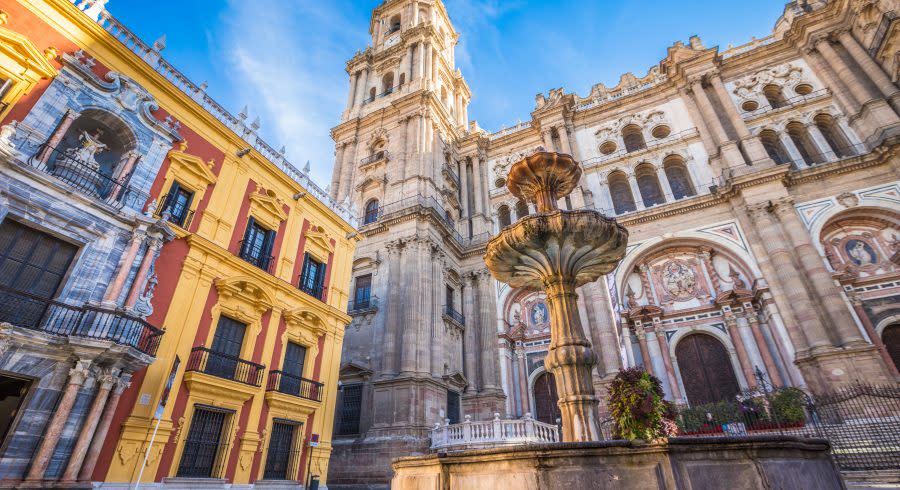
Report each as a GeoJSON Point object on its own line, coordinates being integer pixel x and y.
{"type": "Point", "coordinates": [147, 454]}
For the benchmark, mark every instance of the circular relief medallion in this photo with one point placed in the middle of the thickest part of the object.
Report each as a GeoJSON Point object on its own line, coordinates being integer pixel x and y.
{"type": "Point", "coordinates": [679, 280]}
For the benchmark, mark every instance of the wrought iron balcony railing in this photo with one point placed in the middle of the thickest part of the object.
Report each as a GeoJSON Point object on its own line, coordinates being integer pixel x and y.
{"type": "Point", "coordinates": [362, 305]}
{"type": "Point", "coordinates": [86, 178]}
{"type": "Point", "coordinates": [450, 173]}
{"type": "Point", "coordinates": [264, 263]}
{"type": "Point", "coordinates": [184, 220]}
{"type": "Point", "coordinates": [454, 315]}
{"type": "Point", "coordinates": [289, 384]}
{"type": "Point", "coordinates": [36, 313]}
{"type": "Point", "coordinates": [377, 157]}
{"type": "Point", "coordinates": [207, 361]}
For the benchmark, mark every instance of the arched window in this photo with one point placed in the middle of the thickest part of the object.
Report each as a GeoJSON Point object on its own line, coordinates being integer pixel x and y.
{"type": "Point", "coordinates": [833, 135]}
{"type": "Point", "coordinates": [620, 192]}
{"type": "Point", "coordinates": [633, 138]}
{"type": "Point", "coordinates": [772, 143]}
{"type": "Point", "coordinates": [891, 338]}
{"type": "Point", "coordinates": [387, 83]}
{"type": "Point", "coordinates": [394, 25]}
{"type": "Point", "coordinates": [503, 216]}
{"type": "Point", "coordinates": [774, 96]}
{"type": "Point", "coordinates": [372, 209]}
{"type": "Point", "coordinates": [800, 136]}
{"type": "Point", "coordinates": [372, 93]}
{"type": "Point", "coordinates": [521, 209]}
{"type": "Point", "coordinates": [648, 184]}
{"type": "Point", "coordinates": [679, 178]}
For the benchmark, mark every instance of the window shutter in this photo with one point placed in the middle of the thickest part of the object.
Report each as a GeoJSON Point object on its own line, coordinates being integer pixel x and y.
{"type": "Point", "coordinates": [247, 235]}
{"type": "Point", "coordinates": [268, 245]}
{"type": "Point", "coordinates": [170, 197]}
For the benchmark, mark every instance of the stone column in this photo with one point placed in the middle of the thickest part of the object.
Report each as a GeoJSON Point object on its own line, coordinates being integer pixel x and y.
{"type": "Point", "coordinates": [629, 349]}
{"type": "Point", "coordinates": [873, 335]}
{"type": "Point", "coordinates": [93, 453]}
{"type": "Point", "coordinates": [122, 269]}
{"type": "Point", "coordinates": [123, 172]}
{"type": "Point", "coordinates": [635, 192]}
{"type": "Point", "coordinates": [821, 143]}
{"type": "Point", "coordinates": [821, 280]}
{"type": "Point", "coordinates": [740, 350]}
{"type": "Point", "coordinates": [411, 302]}
{"type": "Point", "coordinates": [564, 140]}
{"type": "Point", "coordinates": [605, 326]}
{"type": "Point", "coordinates": [471, 346]}
{"type": "Point", "coordinates": [663, 179]}
{"type": "Point", "coordinates": [390, 361]}
{"type": "Point", "coordinates": [814, 59]}
{"type": "Point", "coordinates": [420, 62]}
{"type": "Point", "coordinates": [56, 137]}
{"type": "Point", "coordinates": [476, 176]}
{"type": "Point", "coordinates": [465, 212]}
{"type": "Point", "coordinates": [570, 358]}
{"type": "Point", "coordinates": [140, 280]}
{"type": "Point", "coordinates": [706, 259]}
{"type": "Point", "coordinates": [868, 65]}
{"type": "Point", "coordinates": [667, 360]}
{"type": "Point", "coordinates": [351, 95]}
{"type": "Point", "coordinates": [88, 427]}
{"type": "Point", "coordinates": [796, 157]}
{"type": "Point", "coordinates": [707, 112]}
{"type": "Point", "coordinates": [336, 172]}
{"type": "Point", "coordinates": [487, 315]}
{"type": "Point", "coordinates": [694, 112]}
{"type": "Point", "coordinates": [429, 65]}
{"type": "Point", "coordinates": [437, 324]}
{"type": "Point", "coordinates": [809, 333]}
{"type": "Point", "coordinates": [350, 161]}
{"type": "Point", "coordinates": [362, 87]}
{"type": "Point", "coordinates": [843, 72]}
{"type": "Point", "coordinates": [756, 152]}
{"type": "Point", "coordinates": [77, 376]}
{"type": "Point", "coordinates": [645, 351]}
{"type": "Point", "coordinates": [763, 348]}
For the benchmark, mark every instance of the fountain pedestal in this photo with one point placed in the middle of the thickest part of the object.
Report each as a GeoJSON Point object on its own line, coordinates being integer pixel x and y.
{"type": "Point", "coordinates": [556, 251]}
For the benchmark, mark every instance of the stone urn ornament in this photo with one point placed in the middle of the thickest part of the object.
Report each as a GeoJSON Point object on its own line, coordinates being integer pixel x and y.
{"type": "Point", "coordinates": [557, 251]}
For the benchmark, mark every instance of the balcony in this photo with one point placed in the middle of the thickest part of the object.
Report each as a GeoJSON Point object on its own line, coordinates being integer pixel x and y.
{"type": "Point", "coordinates": [787, 103]}
{"type": "Point", "coordinates": [289, 384]}
{"type": "Point", "coordinates": [383, 155]}
{"type": "Point", "coordinates": [183, 221]}
{"type": "Point", "coordinates": [86, 178]}
{"type": "Point", "coordinates": [315, 291]}
{"type": "Point", "coordinates": [44, 315]}
{"type": "Point", "coordinates": [362, 306]}
{"type": "Point", "coordinates": [451, 175]}
{"type": "Point", "coordinates": [495, 433]}
{"type": "Point", "coordinates": [264, 263]}
{"type": "Point", "coordinates": [204, 360]}
{"type": "Point", "coordinates": [454, 315]}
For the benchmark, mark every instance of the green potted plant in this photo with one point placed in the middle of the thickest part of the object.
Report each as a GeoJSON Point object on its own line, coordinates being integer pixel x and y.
{"type": "Point", "coordinates": [637, 407]}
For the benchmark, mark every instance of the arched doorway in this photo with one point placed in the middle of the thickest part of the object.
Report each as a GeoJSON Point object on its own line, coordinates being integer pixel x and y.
{"type": "Point", "coordinates": [891, 338]}
{"type": "Point", "coordinates": [705, 369]}
{"type": "Point", "coordinates": [545, 399]}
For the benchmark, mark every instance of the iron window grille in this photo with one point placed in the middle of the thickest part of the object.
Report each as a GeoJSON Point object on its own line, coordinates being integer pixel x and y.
{"type": "Point", "coordinates": [351, 404]}
{"type": "Point", "coordinates": [312, 277]}
{"type": "Point", "coordinates": [206, 445]}
{"type": "Point", "coordinates": [285, 450]}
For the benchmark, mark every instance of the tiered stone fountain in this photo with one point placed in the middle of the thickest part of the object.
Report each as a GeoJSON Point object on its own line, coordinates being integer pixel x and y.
{"type": "Point", "coordinates": [557, 251]}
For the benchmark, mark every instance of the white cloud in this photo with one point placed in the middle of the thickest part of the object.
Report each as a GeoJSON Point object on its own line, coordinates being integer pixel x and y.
{"type": "Point", "coordinates": [286, 64]}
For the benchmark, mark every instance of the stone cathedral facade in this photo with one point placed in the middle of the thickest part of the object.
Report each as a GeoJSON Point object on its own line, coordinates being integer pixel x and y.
{"type": "Point", "coordinates": [760, 184]}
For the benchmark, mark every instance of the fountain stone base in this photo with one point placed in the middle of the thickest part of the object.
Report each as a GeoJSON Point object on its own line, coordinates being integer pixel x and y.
{"type": "Point", "coordinates": [759, 462]}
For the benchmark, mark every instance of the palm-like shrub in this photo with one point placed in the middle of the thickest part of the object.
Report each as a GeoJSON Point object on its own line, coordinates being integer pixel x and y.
{"type": "Point", "coordinates": [637, 406]}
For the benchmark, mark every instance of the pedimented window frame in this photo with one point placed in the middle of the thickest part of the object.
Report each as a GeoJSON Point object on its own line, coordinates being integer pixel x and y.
{"type": "Point", "coordinates": [22, 63]}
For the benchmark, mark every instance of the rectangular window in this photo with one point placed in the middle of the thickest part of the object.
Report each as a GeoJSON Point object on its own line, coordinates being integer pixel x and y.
{"type": "Point", "coordinates": [206, 446]}
{"type": "Point", "coordinates": [453, 406]}
{"type": "Point", "coordinates": [256, 247]}
{"type": "Point", "coordinates": [178, 204]}
{"type": "Point", "coordinates": [33, 265]}
{"type": "Point", "coordinates": [450, 305]}
{"type": "Point", "coordinates": [312, 278]}
{"type": "Point", "coordinates": [362, 294]}
{"type": "Point", "coordinates": [5, 85]}
{"type": "Point", "coordinates": [224, 359]}
{"type": "Point", "coordinates": [351, 404]}
{"type": "Point", "coordinates": [292, 369]}
{"type": "Point", "coordinates": [13, 391]}
{"type": "Point", "coordinates": [283, 456]}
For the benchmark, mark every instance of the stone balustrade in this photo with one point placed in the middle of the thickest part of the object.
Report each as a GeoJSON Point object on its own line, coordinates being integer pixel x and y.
{"type": "Point", "coordinates": [493, 433]}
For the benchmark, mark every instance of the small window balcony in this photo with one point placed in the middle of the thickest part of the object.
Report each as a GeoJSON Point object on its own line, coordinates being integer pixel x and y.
{"type": "Point", "coordinates": [362, 306]}
{"type": "Point", "coordinates": [264, 262]}
{"type": "Point", "coordinates": [455, 316]}
{"type": "Point", "coordinates": [297, 386]}
{"type": "Point", "coordinates": [380, 156]}
{"type": "Point", "coordinates": [207, 361]}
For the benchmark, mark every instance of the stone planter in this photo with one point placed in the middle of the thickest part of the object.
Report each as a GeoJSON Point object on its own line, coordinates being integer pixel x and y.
{"type": "Point", "coordinates": [758, 462]}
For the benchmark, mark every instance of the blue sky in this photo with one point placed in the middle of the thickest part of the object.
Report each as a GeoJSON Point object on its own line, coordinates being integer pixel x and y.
{"type": "Point", "coordinates": [285, 59]}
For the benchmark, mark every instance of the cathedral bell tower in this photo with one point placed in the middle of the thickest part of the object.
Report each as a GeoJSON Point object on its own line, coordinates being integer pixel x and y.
{"type": "Point", "coordinates": [422, 345]}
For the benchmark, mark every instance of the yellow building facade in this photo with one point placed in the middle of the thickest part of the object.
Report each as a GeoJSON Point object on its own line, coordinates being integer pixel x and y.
{"type": "Point", "coordinates": [250, 282]}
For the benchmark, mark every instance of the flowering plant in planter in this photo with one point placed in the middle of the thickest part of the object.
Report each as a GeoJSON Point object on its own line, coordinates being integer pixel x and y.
{"type": "Point", "coordinates": [637, 406]}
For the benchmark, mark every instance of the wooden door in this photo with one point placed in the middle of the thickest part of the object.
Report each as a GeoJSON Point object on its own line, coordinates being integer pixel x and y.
{"type": "Point", "coordinates": [546, 399]}
{"type": "Point", "coordinates": [705, 370]}
{"type": "Point", "coordinates": [891, 338]}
